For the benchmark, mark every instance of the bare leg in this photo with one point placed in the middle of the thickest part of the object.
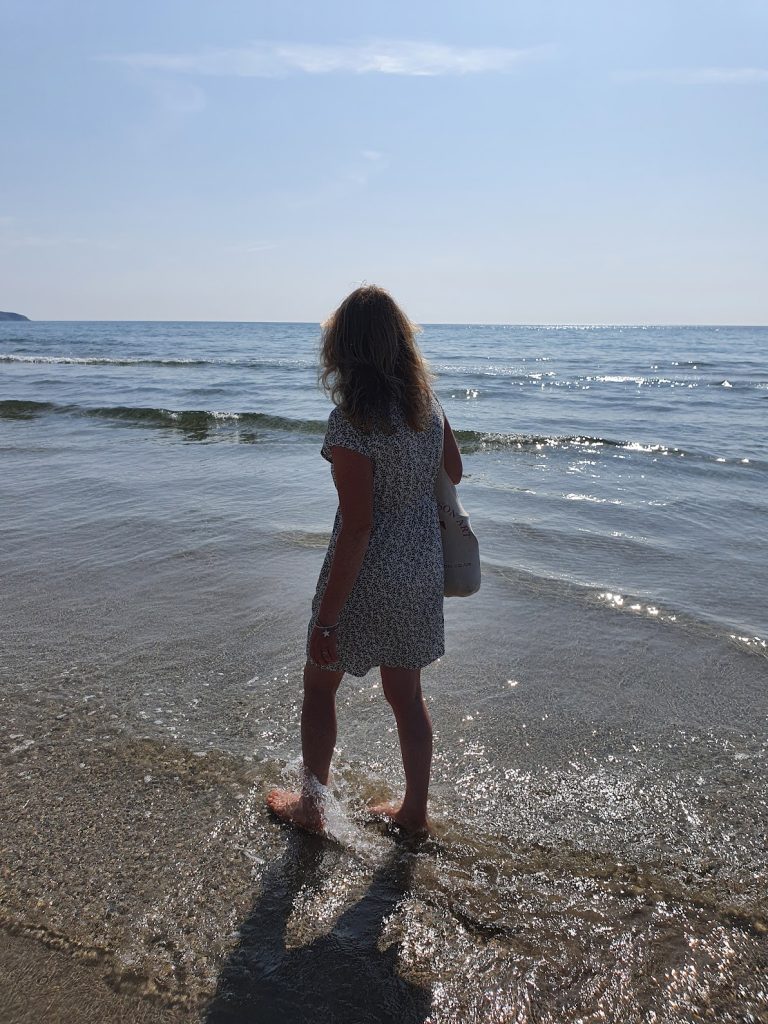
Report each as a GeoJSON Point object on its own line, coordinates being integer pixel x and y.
{"type": "Point", "coordinates": [318, 720]}
{"type": "Point", "coordinates": [402, 688]}
{"type": "Point", "coordinates": [318, 738]}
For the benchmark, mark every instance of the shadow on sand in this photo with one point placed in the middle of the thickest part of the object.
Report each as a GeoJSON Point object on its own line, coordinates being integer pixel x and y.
{"type": "Point", "coordinates": [340, 977]}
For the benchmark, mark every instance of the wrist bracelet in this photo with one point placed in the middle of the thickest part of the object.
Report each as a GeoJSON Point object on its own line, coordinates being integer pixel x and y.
{"type": "Point", "coordinates": [326, 630]}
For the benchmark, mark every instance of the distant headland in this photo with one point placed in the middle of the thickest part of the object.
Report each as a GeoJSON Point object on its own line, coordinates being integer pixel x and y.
{"type": "Point", "coordinates": [12, 316]}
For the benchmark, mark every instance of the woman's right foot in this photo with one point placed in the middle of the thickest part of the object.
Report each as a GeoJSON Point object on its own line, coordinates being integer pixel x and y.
{"type": "Point", "coordinates": [394, 812]}
{"type": "Point", "coordinates": [295, 810]}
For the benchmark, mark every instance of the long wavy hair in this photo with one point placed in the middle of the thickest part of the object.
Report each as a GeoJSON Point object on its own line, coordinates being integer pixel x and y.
{"type": "Point", "coordinates": [369, 359]}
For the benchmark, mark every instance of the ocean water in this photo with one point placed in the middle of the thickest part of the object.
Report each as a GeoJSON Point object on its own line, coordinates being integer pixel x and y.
{"type": "Point", "coordinates": [600, 714]}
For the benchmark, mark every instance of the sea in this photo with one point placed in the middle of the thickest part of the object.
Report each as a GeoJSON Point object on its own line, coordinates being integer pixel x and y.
{"type": "Point", "coordinates": [599, 787]}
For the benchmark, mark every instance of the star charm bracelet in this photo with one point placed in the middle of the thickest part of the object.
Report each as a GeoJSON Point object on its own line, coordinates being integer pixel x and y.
{"type": "Point", "coordinates": [327, 630]}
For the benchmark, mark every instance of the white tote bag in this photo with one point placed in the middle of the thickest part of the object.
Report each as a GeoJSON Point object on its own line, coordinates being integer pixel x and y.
{"type": "Point", "coordinates": [461, 552]}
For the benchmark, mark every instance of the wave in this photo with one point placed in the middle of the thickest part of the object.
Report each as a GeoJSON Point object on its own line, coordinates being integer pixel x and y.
{"type": "Point", "coordinates": [20, 409]}
{"type": "Point", "coordinates": [183, 419]}
{"type": "Point", "coordinates": [629, 604]}
{"type": "Point", "coordinates": [473, 441]}
{"type": "Point", "coordinates": [138, 361]}
{"type": "Point", "coordinates": [478, 440]}
{"type": "Point", "coordinates": [230, 424]}
{"type": "Point", "coordinates": [101, 361]}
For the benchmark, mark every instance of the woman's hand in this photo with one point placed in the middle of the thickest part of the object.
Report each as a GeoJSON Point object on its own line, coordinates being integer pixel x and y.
{"type": "Point", "coordinates": [322, 649]}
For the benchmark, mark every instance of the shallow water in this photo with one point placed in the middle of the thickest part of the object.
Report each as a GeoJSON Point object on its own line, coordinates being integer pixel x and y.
{"type": "Point", "coordinates": [600, 714]}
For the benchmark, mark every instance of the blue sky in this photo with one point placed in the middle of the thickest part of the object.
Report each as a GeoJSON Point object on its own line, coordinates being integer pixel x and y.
{"type": "Point", "coordinates": [515, 162]}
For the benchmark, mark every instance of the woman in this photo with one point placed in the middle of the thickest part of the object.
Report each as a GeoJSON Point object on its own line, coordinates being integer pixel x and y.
{"type": "Point", "coordinates": [379, 597]}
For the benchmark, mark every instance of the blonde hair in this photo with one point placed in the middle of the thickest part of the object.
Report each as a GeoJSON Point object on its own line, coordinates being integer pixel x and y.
{"type": "Point", "coordinates": [369, 358]}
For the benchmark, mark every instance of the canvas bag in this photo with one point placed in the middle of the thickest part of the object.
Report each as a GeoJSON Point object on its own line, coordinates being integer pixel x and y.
{"type": "Point", "coordinates": [461, 551]}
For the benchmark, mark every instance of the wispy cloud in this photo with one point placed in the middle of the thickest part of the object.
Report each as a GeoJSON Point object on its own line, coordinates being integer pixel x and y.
{"type": "Point", "coordinates": [701, 76]}
{"type": "Point", "coordinates": [268, 60]}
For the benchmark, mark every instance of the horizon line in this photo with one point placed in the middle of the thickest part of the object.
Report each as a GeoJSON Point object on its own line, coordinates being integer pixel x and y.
{"type": "Point", "coordinates": [424, 323]}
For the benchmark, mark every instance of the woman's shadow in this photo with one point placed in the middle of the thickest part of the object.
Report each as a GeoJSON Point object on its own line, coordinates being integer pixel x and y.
{"type": "Point", "coordinates": [339, 978]}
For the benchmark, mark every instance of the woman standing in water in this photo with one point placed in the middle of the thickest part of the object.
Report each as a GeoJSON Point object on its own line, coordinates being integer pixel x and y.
{"type": "Point", "coordinates": [379, 597]}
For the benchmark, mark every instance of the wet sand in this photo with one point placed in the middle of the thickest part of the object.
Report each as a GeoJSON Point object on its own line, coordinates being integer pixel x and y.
{"type": "Point", "coordinates": [134, 887]}
{"type": "Point", "coordinates": [38, 982]}
{"type": "Point", "coordinates": [144, 882]}
{"type": "Point", "coordinates": [116, 850]}
{"type": "Point", "coordinates": [580, 859]}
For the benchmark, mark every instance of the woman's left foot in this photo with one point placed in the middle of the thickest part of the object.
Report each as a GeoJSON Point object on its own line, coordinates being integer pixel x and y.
{"type": "Point", "coordinates": [292, 808]}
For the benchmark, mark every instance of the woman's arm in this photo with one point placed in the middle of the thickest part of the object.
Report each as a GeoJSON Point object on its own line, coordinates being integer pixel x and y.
{"type": "Point", "coordinates": [451, 454]}
{"type": "Point", "coordinates": [353, 473]}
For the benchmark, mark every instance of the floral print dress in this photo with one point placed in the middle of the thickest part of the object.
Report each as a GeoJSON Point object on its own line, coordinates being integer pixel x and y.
{"type": "Point", "coordinates": [394, 613]}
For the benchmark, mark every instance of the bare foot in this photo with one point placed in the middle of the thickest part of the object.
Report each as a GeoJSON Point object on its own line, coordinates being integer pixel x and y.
{"type": "Point", "coordinates": [293, 809]}
{"type": "Point", "coordinates": [394, 812]}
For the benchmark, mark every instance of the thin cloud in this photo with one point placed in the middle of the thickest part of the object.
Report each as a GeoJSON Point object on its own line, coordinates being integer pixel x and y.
{"type": "Point", "coordinates": [269, 60]}
{"type": "Point", "coordinates": [701, 76]}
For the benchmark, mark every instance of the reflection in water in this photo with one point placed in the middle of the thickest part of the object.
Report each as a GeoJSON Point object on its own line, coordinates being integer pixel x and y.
{"type": "Point", "coordinates": [341, 976]}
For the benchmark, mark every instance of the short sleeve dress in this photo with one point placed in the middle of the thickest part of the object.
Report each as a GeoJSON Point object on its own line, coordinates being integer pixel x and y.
{"type": "Point", "coordinates": [394, 613]}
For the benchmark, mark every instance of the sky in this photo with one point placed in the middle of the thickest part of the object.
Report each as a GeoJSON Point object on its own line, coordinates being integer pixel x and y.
{"type": "Point", "coordinates": [546, 161]}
